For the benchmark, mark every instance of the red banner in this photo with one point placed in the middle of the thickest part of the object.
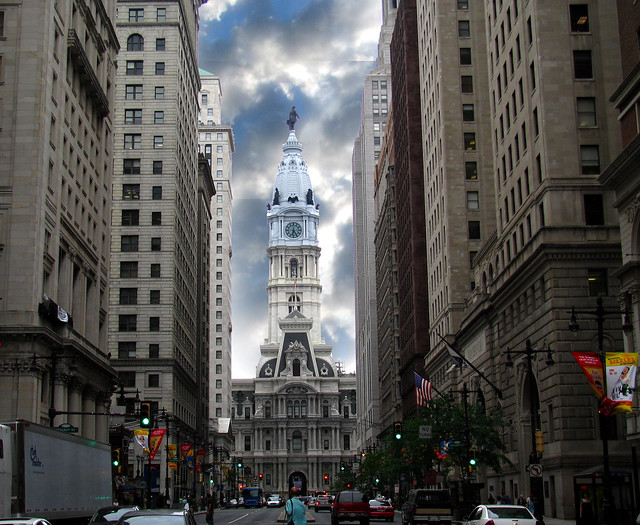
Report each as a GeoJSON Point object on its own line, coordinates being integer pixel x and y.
{"type": "Point", "coordinates": [592, 368]}
{"type": "Point", "coordinates": [155, 439]}
{"type": "Point", "coordinates": [184, 451]}
{"type": "Point", "coordinates": [199, 458]}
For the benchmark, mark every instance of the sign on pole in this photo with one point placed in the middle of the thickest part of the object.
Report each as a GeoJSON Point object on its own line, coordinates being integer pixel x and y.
{"type": "Point", "coordinates": [425, 432]}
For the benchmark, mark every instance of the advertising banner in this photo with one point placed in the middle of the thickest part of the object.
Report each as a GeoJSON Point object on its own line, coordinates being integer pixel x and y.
{"type": "Point", "coordinates": [172, 452]}
{"type": "Point", "coordinates": [621, 381]}
{"type": "Point", "coordinates": [154, 441]}
{"type": "Point", "coordinates": [142, 438]}
{"type": "Point", "coordinates": [592, 368]}
{"type": "Point", "coordinates": [199, 458]}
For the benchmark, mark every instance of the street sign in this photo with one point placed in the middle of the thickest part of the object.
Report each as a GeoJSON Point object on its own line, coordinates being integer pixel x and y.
{"type": "Point", "coordinates": [456, 444]}
{"type": "Point", "coordinates": [67, 427]}
{"type": "Point", "coordinates": [425, 432]}
{"type": "Point", "coordinates": [120, 481]}
{"type": "Point", "coordinates": [535, 470]}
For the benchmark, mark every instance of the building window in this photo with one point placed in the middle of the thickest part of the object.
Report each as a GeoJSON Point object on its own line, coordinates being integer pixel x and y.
{"type": "Point", "coordinates": [130, 192]}
{"type": "Point", "coordinates": [158, 117]}
{"type": "Point", "coordinates": [156, 193]}
{"type": "Point", "coordinates": [154, 324]}
{"type": "Point", "coordinates": [589, 160]}
{"type": "Point", "coordinates": [465, 56]}
{"type": "Point", "coordinates": [158, 141]}
{"type": "Point", "coordinates": [156, 244]}
{"type": "Point", "coordinates": [135, 42]}
{"type": "Point", "coordinates": [470, 141]}
{"type": "Point", "coordinates": [155, 271]}
{"type": "Point", "coordinates": [466, 83]}
{"type": "Point", "coordinates": [159, 92]}
{"type": "Point", "coordinates": [464, 30]}
{"type": "Point", "coordinates": [218, 383]}
{"type": "Point", "coordinates": [132, 141]}
{"type": "Point", "coordinates": [346, 442]}
{"type": "Point", "coordinates": [597, 280]}
{"type": "Point", "coordinates": [586, 111]}
{"type": "Point", "coordinates": [130, 218]}
{"type": "Point", "coordinates": [126, 350]}
{"type": "Point", "coordinates": [471, 170]}
{"type": "Point", "coordinates": [579, 15]}
{"type": "Point", "coordinates": [157, 168]}
{"type": "Point", "coordinates": [463, 4]}
{"type": "Point", "coordinates": [128, 270]}
{"type": "Point", "coordinates": [468, 114]}
{"type": "Point", "coordinates": [153, 380]}
{"type": "Point", "coordinates": [131, 166]}
{"type": "Point", "coordinates": [136, 15]}
{"type": "Point", "coordinates": [154, 351]}
{"type": "Point", "coordinates": [154, 296]}
{"type": "Point", "coordinates": [159, 68]}
{"type": "Point", "coordinates": [582, 67]}
{"type": "Point", "coordinates": [473, 200]}
{"type": "Point", "coordinates": [127, 323]}
{"type": "Point", "coordinates": [593, 210]}
{"type": "Point", "coordinates": [133, 92]}
{"type": "Point", "coordinates": [474, 230]}
{"type": "Point", "coordinates": [161, 14]}
{"type": "Point", "coordinates": [129, 243]}
{"type": "Point", "coordinates": [135, 67]}
{"type": "Point", "coordinates": [156, 218]}
{"type": "Point", "coordinates": [128, 296]}
{"type": "Point", "coordinates": [160, 44]}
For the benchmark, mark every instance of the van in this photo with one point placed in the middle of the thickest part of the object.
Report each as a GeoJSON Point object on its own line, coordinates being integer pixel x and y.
{"type": "Point", "coordinates": [427, 506]}
{"type": "Point", "coordinates": [350, 505]}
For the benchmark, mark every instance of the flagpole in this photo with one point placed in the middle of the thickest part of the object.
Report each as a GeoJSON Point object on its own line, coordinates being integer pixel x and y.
{"type": "Point", "coordinates": [495, 388]}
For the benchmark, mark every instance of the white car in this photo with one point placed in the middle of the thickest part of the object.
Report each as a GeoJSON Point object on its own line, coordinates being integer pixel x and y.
{"type": "Point", "coordinates": [500, 515]}
{"type": "Point", "coordinates": [24, 521]}
{"type": "Point", "coordinates": [273, 501]}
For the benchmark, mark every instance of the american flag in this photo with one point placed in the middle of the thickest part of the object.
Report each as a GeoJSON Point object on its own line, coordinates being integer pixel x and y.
{"type": "Point", "coordinates": [424, 391]}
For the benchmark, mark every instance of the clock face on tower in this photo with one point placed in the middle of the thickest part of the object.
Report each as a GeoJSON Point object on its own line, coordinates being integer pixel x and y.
{"type": "Point", "coordinates": [293, 230]}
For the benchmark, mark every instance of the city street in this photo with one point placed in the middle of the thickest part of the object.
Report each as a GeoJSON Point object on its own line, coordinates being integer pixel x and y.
{"type": "Point", "coordinates": [262, 516]}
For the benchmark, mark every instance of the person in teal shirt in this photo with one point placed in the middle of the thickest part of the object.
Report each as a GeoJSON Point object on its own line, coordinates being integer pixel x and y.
{"type": "Point", "coordinates": [295, 509]}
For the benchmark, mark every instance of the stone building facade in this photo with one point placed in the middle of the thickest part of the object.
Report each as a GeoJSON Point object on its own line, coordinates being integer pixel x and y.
{"type": "Point", "coordinates": [295, 422]}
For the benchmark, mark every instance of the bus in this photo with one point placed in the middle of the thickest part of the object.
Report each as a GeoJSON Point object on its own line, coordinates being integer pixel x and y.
{"type": "Point", "coordinates": [252, 496]}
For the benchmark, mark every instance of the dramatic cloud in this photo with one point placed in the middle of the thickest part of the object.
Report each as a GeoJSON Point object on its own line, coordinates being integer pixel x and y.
{"type": "Point", "coordinates": [270, 55]}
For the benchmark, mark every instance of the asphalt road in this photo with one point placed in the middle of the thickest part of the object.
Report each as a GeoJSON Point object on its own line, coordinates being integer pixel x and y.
{"type": "Point", "coordinates": [263, 516]}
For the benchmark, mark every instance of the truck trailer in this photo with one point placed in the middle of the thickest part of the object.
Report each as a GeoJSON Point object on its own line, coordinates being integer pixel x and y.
{"type": "Point", "coordinates": [51, 474]}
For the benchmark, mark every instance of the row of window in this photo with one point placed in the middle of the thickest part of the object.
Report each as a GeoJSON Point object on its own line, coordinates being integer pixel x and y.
{"type": "Point", "coordinates": [136, 67]}
{"type": "Point", "coordinates": [135, 42]}
{"type": "Point", "coordinates": [137, 14]}
{"type": "Point", "coordinates": [132, 218]}
{"type": "Point", "coordinates": [134, 92]}
{"type": "Point", "coordinates": [134, 116]}
{"type": "Point", "coordinates": [134, 141]}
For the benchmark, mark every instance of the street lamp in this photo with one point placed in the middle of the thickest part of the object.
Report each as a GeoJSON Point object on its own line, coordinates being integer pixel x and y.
{"type": "Point", "coordinates": [600, 313]}
{"type": "Point", "coordinates": [535, 481]}
{"type": "Point", "coordinates": [467, 432]}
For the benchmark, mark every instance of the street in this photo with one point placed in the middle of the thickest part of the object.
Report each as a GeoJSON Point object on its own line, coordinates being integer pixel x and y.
{"type": "Point", "coordinates": [261, 516]}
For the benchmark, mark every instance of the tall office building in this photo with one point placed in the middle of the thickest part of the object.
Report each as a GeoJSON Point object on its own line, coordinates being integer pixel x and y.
{"type": "Point", "coordinates": [155, 333]}
{"type": "Point", "coordinates": [552, 67]}
{"type": "Point", "coordinates": [215, 141]}
{"type": "Point", "coordinates": [57, 66]}
{"type": "Point", "coordinates": [376, 99]}
{"type": "Point", "coordinates": [295, 421]}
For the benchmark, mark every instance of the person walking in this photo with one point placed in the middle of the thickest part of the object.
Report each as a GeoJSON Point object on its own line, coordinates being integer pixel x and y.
{"type": "Point", "coordinates": [587, 512]}
{"type": "Point", "coordinates": [295, 510]}
{"type": "Point", "coordinates": [209, 514]}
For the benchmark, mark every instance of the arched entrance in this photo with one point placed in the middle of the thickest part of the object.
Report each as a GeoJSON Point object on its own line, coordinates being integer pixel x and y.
{"type": "Point", "coordinates": [299, 480]}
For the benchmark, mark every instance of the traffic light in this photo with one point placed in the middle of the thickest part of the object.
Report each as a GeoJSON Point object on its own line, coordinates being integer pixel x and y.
{"type": "Point", "coordinates": [239, 462]}
{"type": "Point", "coordinates": [210, 482]}
{"type": "Point", "coordinates": [539, 442]}
{"type": "Point", "coordinates": [145, 415]}
{"type": "Point", "coordinates": [260, 475]}
{"type": "Point", "coordinates": [342, 465]}
{"type": "Point", "coordinates": [115, 458]}
{"type": "Point", "coordinates": [377, 480]}
{"type": "Point", "coordinates": [241, 486]}
{"type": "Point", "coordinates": [348, 485]}
{"type": "Point", "coordinates": [472, 460]}
{"type": "Point", "coordinates": [397, 430]}
{"type": "Point", "coordinates": [326, 478]}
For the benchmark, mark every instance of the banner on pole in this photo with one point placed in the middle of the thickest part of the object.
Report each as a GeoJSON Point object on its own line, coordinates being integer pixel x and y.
{"type": "Point", "coordinates": [154, 441]}
{"type": "Point", "coordinates": [142, 438]}
{"type": "Point", "coordinates": [592, 368]}
{"type": "Point", "coordinates": [172, 452]}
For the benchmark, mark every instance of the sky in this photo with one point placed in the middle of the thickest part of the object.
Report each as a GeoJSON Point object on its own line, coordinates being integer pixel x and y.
{"type": "Point", "coordinates": [271, 55]}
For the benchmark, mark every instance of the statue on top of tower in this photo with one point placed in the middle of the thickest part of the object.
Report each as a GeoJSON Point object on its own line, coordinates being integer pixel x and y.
{"type": "Point", "coordinates": [293, 117]}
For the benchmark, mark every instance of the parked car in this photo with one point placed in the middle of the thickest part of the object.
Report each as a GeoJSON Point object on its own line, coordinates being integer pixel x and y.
{"type": "Point", "coordinates": [112, 513]}
{"type": "Point", "coordinates": [427, 506]}
{"type": "Point", "coordinates": [350, 505]}
{"type": "Point", "coordinates": [500, 515]}
{"type": "Point", "coordinates": [157, 517]}
{"type": "Point", "coordinates": [24, 521]}
{"type": "Point", "coordinates": [380, 509]}
{"type": "Point", "coordinates": [311, 501]}
{"type": "Point", "coordinates": [273, 501]}
{"type": "Point", "coordinates": [323, 503]}
{"type": "Point", "coordinates": [232, 503]}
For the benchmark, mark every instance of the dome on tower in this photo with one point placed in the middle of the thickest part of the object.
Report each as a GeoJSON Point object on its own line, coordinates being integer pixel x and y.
{"type": "Point", "coordinates": [293, 184]}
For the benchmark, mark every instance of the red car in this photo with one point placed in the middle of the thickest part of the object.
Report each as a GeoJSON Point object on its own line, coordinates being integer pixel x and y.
{"type": "Point", "coordinates": [380, 510]}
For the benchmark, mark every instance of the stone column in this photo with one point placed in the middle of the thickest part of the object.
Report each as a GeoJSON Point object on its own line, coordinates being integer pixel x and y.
{"type": "Point", "coordinates": [75, 403]}
{"type": "Point", "coordinates": [89, 405]}
{"type": "Point", "coordinates": [102, 422]}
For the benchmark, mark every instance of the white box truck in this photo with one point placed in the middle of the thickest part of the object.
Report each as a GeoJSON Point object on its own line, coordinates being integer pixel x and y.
{"type": "Point", "coordinates": [51, 474]}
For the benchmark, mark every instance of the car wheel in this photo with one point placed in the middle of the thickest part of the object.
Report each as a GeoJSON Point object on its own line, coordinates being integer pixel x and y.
{"type": "Point", "coordinates": [364, 521]}
{"type": "Point", "coordinates": [334, 521]}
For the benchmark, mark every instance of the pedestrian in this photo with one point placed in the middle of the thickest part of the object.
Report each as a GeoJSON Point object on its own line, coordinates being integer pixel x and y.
{"type": "Point", "coordinates": [530, 504]}
{"type": "Point", "coordinates": [295, 510]}
{"type": "Point", "coordinates": [185, 504]}
{"type": "Point", "coordinates": [587, 512]}
{"type": "Point", "coordinates": [521, 500]}
{"type": "Point", "coordinates": [491, 499]}
{"type": "Point", "coordinates": [209, 514]}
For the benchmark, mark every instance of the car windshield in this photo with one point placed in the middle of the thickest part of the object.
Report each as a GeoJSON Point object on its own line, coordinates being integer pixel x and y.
{"type": "Point", "coordinates": [111, 514]}
{"type": "Point", "coordinates": [508, 512]}
{"type": "Point", "coordinates": [433, 498]}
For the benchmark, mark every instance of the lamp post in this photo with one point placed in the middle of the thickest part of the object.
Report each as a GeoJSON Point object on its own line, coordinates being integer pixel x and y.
{"type": "Point", "coordinates": [600, 313]}
{"type": "Point", "coordinates": [535, 482]}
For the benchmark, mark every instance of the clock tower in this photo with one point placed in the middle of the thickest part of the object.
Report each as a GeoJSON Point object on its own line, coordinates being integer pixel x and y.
{"type": "Point", "coordinates": [292, 217]}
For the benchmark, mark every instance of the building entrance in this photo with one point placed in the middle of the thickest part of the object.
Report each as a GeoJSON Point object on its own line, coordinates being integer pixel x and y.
{"type": "Point", "coordinates": [299, 480]}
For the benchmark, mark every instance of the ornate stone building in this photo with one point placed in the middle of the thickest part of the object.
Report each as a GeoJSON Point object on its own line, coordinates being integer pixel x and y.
{"type": "Point", "coordinates": [295, 422]}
